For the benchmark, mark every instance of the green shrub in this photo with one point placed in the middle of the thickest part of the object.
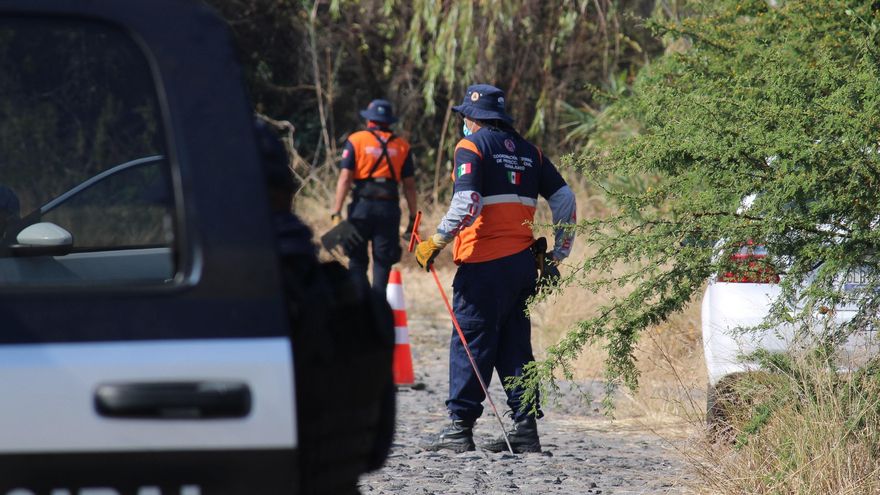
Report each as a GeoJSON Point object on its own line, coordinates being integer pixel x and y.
{"type": "Point", "coordinates": [782, 102]}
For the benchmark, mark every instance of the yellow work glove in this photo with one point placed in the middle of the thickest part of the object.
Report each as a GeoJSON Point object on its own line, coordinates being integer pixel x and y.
{"type": "Point", "coordinates": [335, 218]}
{"type": "Point", "coordinates": [427, 250]}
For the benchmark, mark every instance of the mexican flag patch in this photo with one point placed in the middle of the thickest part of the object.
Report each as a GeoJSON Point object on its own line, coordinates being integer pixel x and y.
{"type": "Point", "coordinates": [514, 177]}
{"type": "Point", "coordinates": [463, 169]}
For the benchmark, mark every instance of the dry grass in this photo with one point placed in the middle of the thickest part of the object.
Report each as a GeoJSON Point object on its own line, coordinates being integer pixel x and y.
{"type": "Point", "coordinates": [809, 430]}
{"type": "Point", "coordinates": [670, 356]}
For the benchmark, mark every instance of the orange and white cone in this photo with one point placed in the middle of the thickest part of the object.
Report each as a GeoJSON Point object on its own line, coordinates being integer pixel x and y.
{"type": "Point", "coordinates": [403, 367]}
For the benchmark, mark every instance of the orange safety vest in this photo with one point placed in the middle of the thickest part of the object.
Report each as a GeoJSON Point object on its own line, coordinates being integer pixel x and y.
{"type": "Point", "coordinates": [378, 154]}
{"type": "Point", "coordinates": [509, 200]}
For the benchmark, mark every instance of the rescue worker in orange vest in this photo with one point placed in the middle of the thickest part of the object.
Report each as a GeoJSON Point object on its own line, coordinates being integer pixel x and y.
{"type": "Point", "coordinates": [498, 177]}
{"type": "Point", "coordinates": [374, 162]}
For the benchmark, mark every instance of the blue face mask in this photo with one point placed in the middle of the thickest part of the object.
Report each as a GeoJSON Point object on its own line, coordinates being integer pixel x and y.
{"type": "Point", "coordinates": [464, 130]}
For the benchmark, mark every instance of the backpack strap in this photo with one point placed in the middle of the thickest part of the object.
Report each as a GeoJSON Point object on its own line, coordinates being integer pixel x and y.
{"type": "Point", "coordinates": [384, 155]}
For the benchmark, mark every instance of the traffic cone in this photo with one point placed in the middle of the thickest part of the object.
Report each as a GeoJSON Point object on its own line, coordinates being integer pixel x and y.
{"type": "Point", "coordinates": [403, 367]}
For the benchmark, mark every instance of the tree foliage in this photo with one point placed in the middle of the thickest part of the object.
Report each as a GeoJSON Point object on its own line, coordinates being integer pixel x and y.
{"type": "Point", "coordinates": [316, 63]}
{"type": "Point", "coordinates": [780, 100]}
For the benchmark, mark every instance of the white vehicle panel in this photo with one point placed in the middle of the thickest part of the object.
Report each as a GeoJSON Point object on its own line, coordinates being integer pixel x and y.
{"type": "Point", "coordinates": [48, 391]}
{"type": "Point", "coordinates": [732, 311]}
{"type": "Point", "coordinates": [728, 309]}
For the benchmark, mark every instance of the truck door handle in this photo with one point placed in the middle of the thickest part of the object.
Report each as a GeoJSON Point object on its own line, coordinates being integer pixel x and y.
{"type": "Point", "coordinates": [173, 400]}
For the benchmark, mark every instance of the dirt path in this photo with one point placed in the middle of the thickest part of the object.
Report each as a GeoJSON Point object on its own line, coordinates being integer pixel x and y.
{"type": "Point", "coordinates": [584, 452]}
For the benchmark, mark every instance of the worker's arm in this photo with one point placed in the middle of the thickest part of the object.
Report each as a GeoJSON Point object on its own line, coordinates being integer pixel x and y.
{"type": "Point", "coordinates": [563, 206]}
{"type": "Point", "coordinates": [409, 192]}
{"type": "Point", "coordinates": [409, 185]}
{"type": "Point", "coordinates": [467, 199]}
{"type": "Point", "coordinates": [346, 176]}
{"type": "Point", "coordinates": [343, 185]}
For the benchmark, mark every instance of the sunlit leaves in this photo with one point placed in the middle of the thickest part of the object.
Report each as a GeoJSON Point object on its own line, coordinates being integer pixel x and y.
{"type": "Point", "coordinates": [778, 102]}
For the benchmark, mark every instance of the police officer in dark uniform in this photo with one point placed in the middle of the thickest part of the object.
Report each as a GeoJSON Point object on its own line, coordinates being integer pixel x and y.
{"type": "Point", "coordinates": [498, 177]}
{"type": "Point", "coordinates": [343, 336]}
{"type": "Point", "coordinates": [294, 238]}
{"type": "Point", "coordinates": [374, 162]}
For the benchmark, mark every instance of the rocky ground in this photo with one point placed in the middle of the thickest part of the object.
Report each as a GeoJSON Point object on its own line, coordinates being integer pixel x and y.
{"type": "Point", "coordinates": [584, 452]}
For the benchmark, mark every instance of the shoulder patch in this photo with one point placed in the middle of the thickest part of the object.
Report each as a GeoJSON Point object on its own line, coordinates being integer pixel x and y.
{"type": "Point", "coordinates": [468, 145]}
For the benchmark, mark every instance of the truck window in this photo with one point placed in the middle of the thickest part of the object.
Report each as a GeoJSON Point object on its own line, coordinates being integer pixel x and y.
{"type": "Point", "coordinates": [82, 146]}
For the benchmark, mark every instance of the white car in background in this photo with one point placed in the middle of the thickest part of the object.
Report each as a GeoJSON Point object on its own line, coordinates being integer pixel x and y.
{"type": "Point", "coordinates": [736, 304]}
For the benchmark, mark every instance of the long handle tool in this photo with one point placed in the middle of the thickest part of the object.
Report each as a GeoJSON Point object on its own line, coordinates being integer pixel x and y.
{"type": "Point", "coordinates": [412, 242]}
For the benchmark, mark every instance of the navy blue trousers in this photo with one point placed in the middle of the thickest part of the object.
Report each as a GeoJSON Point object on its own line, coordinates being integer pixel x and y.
{"type": "Point", "coordinates": [378, 222]}
{"type": "Point", "coordinates": [489, 300]}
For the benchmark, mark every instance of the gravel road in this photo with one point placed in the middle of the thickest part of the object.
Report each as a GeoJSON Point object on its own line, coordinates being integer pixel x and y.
{"type": "Point", "coordinates": [584, 452]}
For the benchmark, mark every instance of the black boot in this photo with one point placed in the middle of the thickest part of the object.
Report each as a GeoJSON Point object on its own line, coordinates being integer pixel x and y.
{"type": "Point", "coordinates": [523, 438]}
{"type": "Point", "coordinates": [458, 437]}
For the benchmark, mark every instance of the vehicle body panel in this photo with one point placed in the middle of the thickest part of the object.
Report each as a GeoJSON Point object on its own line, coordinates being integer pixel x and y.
{"type": "Point", "coordinates": [56, 412]}
{"type": "Point", "coordinates": [731, 313]}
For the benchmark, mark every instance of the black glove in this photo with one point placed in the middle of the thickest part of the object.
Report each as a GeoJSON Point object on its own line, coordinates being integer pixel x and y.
{"type": "Point", "coordinates": [548, 271]}
{"type": "Point", "coordinates": [344, 235]}
{"type": "Point", "coordinates": [407, 234]}
{"type": "Point", "coordinates": [549, 276]}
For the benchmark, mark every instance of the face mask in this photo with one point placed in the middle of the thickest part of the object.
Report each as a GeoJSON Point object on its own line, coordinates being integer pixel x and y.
{"type": "Point", "coordinates": [464, 130]}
